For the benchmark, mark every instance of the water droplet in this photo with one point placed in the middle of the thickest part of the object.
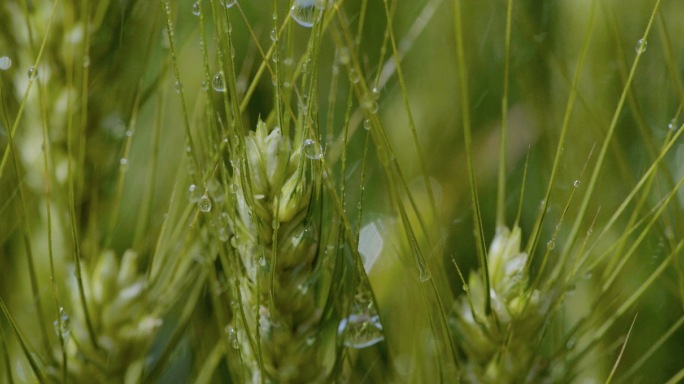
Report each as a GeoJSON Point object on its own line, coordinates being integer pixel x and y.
{"type": "Point", "coordinates": [288, 61]}
{"type": "Point", "coordinates": [589, 231]}
{"type": "Point", "coordinates": [234, 241]}
{"type": "Point", "coordinates": [205, 85]}
{"type": "Point", "coordinates": [218, 83]}
{"type": "Point", "coordinates": [196, 8]}
{"type": "Point", "coordinates": [305, 12]}
{"type": "Point", "coordinates": [62, 324]}
{"type": "Point", "coordinates": [129, 133]}
{"type": "Point", "coordinates": [424, 272]}
{"type": "Point", "coordinates": [232, 336]}
{"type": "Point", "coordinates": [179, 87]}
{"type": "Point", "coordinates": [274, 35]}
{"type": "Point", "coordinates": [588, 275]}
{"type": "Point", "coordinates": [123, 162]}
{"type": "Point", "coordinates": [368, 103]}
{"type": "Point", "coordinates": [361, 330]}
{"type": "Point", "coordinates": [576, 184]}
{"type": "Point", "coordinates": [5, 63]}
{"type": "Point", "coordinates": [193, 193]}
{"type": "Point", "coordinates": [641, 46]}
{"type": "Point", "coordinates": [367, 124]}
{"type": "Point", "coordinates": [551, 245]}
{"type": "Point", "coordinates": [671, 126]}
{"type": "Point", "coordinates": [228, 3]}
{"type": "Point", "coordinates": [310, 340]}
{"type": "Point", "coordinates": [262, 261]}
{"type": "Point", "coordinates": [312, 149]}
{"type": "Point", "coordinates": [32, 73]}
{"type": "Point", "coordinates": [375, 92]}
{"type": "Point", "coordinates": [204, 204]}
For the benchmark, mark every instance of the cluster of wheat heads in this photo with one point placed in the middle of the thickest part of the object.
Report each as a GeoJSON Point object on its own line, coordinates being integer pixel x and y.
{"type": "Point", "coordinates": [340, 191]}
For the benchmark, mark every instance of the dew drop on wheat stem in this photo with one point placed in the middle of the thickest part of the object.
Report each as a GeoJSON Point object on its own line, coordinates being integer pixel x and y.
{"type": "Point", "coordinates": [223, 234]}
{"type": "Point", "coordinates": [641, 46]}
{"type": "Point", "coordinates": [274, 35]}
{"type": "Point", "coordinates": [361, 330]}
{"type": "Point", "coordinates": [672, 125]}
{"type": "Point", "coordinates": [576, 184]}
{"type": "Point", "coordinates": [218, 82]}
{"type": "Point", "coordinates": [228, 3]}
{"type": "Point", "coordinates": [312, 149]}
{"type": "Point", "coordinates": [306, 12]}
{"type": "Point", "coordinates": [369, 104]}
{"type": "Point", "coordinates": [5, 63]}
{"type": "Point", "coordinates": [232, 336]}
{"type": "Point", "coordinates": [367, 124]}
{"type": "Point", "coordinates": [193, 193]}
{"type": "Point", "coordinates": [204, 204]}
{"type": "Point", "coordinates": [62, 324]}
{"type": "Point", "coordinates": [32, 73]}
{"type": "Point", "coordinates": [196, 8]}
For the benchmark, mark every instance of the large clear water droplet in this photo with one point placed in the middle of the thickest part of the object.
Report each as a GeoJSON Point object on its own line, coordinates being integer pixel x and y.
{"type": "Point", "coordinates": [218, 82]}
{"type": "Point", "coordinates": [312, 149]}
{"type": "Point", "coordinates": [306, 12]}
{"type": "Point", "coordinates": [5, 63]}
{"type": "Point", "coordinates": [362, 328]}
{"type": "Point", "coordinates": [196, 8]}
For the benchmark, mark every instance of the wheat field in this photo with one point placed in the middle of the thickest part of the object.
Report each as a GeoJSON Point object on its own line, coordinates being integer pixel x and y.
{"type": "Point", "coordinates": [341, 191]}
